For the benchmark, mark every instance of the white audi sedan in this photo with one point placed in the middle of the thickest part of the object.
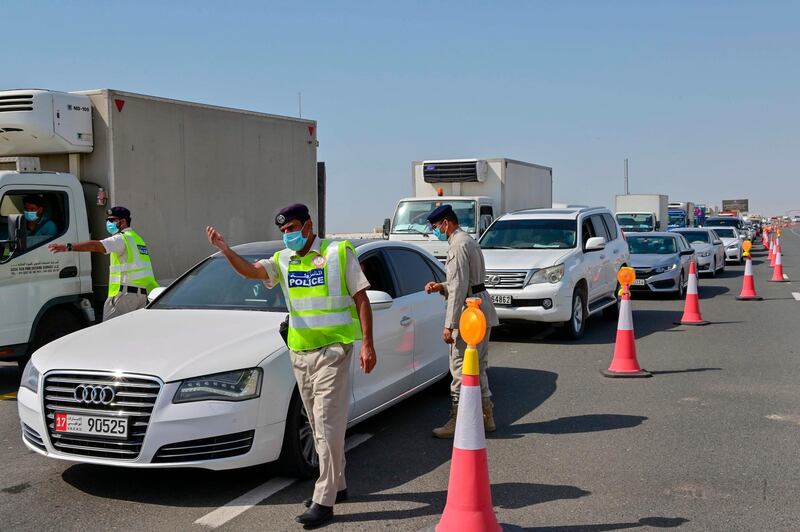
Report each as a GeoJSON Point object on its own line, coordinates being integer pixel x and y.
{"type": "Point", "coordinates": [202, 378]}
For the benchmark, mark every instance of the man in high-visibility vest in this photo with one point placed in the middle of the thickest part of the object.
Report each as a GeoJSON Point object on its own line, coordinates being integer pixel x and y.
{"type": "Point", "coordinates": [326, 295]}
{"type": "Point", "coordinates": [130, 274]}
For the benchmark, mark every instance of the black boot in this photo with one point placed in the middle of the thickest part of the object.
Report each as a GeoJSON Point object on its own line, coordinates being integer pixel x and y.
{"type": "Point", "coordinates": [341, 496]}
{"type": "Point", "coordinates": [315, 515]}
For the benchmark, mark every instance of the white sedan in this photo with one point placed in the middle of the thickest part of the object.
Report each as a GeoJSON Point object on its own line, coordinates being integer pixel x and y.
{"type": "Point", "coordinates": [732, 240]}
{"type": "Point", "coordinates": [201, 378]}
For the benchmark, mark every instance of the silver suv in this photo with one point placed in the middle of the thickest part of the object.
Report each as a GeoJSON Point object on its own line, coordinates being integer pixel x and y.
{"type": "Point", "coordinates": [554, 265]}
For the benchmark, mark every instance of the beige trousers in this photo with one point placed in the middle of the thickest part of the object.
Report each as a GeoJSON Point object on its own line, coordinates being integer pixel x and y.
{"type": "Point", "coordinates": [323, 378]}
{"type": "Point", "coordinates": [457, 360]}
{"type": "Point", "coordinates": [123, 303]}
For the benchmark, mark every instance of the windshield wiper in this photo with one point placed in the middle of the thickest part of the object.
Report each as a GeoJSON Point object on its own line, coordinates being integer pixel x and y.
{"type": "Point", "coordinates": [498, 247]}
{"type": "Point", "coordinates": [411, 230]}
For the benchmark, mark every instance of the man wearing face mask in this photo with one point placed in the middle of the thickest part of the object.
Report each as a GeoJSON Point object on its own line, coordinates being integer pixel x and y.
{"type": "Point", "coordinates": [465, 274]}
{"type": "Point", "coordinates": [326, 294]}
{"type": "Point", "coordinates": [131, 274]}
{"type": "Point", "coordinates": [39, 226]}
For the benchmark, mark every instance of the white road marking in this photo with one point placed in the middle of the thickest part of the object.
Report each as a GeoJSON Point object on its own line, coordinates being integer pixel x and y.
{"type": "Point", "coordinates": [241, 504]}
{"type": "Point", "coordinates": [796, 295]}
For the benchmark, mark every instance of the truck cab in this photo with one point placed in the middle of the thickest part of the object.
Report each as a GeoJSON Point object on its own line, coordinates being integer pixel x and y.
{"type": "Point", "coordinates": [410, 222]}
{"type": "Point", "coordinates": [42, 295]}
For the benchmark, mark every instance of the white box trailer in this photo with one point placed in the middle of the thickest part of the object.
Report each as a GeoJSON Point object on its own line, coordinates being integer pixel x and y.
{"type": "Point", "coordinates": [178, 166]}
{"type": "Point", "coordinates": [479, 190]}
{"type": "Point", "coordinates": [642, 212]}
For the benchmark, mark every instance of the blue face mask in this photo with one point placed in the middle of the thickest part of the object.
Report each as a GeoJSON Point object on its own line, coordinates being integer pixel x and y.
{"type": "Point", "coordinates": [295, 240]}
{"type": "Point", "coordinates": [438, 234]}
{"type": "Point", "coordinates": [31, 216]}
{"type": "Point", "coordinates": [112, 228]}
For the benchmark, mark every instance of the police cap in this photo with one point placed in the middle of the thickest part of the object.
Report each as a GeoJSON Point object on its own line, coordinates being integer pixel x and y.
{"type": "Point", "coordinates": [119, 212]}
{"type": "Point", "coordinates": [296, 211]}
{"type": "Point", "coordinates": [439, 213]}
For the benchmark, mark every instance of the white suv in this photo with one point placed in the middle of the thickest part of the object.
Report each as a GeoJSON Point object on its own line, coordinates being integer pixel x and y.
{"type": "Point", "coordinates": [554, 265]}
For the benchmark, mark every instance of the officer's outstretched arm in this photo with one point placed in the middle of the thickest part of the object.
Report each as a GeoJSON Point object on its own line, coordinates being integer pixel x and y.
{"type": "Point", "coordinates": [244, 267]}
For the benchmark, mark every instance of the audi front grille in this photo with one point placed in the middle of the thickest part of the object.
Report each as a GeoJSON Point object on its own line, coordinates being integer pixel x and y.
{"type": "Point", "coordinates": [206, 448]}
{"type": "Point", "coordinates": [134, 398]}
{"type": "Point", "coordinates": [505, 279]}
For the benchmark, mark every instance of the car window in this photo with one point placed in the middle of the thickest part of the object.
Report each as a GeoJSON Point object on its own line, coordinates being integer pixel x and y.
{"type": "Point", "coordinates": [411, 269]}
{"type": "Point", "coordinates": [600, 227]}
{"type": "Point", "coordinates": [377, 273]}
{"type": "Point", "coordinates": [611, 226]}
{"type": "Point", "coordinates": [587, 231]}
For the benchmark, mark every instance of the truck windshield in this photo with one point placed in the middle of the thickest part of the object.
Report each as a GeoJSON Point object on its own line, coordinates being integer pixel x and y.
{"type": "Point", "coordinates": [530, 234]}
{"type": "Point", "coordinates": [635, 222]}
{"type": "Point", "coordinates": [677, 218]}
{"type": "Point", "coordinates": [412, 216]}
{"type": "Point", "coordinates": [651, 245]}
{"type": "Point", "coordinates": [213, 284]}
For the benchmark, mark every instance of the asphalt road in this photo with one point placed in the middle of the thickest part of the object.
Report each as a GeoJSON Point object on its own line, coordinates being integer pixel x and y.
{"type": "Point", "coordinates": [709, 443]}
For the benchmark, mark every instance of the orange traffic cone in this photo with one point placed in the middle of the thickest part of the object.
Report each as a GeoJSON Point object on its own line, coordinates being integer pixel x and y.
{"type": "Point", "coordinates": [691, 311]}
{"type": "Point", "coordinates": [624, 363]}
{"type": "Point", "coordinates": [771, 255]}
{"type": "Point", "coordinates": [776, 247]}
{"type": "Point", "coordinates": [469, 497]}
{"type": "Point", "coordinates": [748, 292]}
{"type": "Point", "coordinates": [777, 272]}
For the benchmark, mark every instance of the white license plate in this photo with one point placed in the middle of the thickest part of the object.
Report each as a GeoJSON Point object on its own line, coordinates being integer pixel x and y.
{"type": "Point", "coordinates": [501, 300]}
{"type": "Point", "coordinates": [638, 282]}
{"type": "Point", "coordinates": [110, 427]}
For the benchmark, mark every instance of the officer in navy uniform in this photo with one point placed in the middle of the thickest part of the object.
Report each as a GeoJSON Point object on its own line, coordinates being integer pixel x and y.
{"type": "Point", "coordinates": [465, 275]}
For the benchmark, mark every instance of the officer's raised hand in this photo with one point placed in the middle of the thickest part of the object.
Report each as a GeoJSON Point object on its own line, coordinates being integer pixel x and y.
{"type": "Point", "coordinates": [216, 239]}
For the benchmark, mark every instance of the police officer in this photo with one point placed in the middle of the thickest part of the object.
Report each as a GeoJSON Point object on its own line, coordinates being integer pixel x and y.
{"type": "Point", "coordinates": [130, 274]}
{"type": "Point", "coordinates": [465, 274]}
{"type": "Point", "coordinates": [326, 293]}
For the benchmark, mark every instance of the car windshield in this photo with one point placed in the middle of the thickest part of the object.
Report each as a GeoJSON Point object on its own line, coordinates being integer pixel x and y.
{"type": "Point", "coordinates": [725, 232]}
{"type": "Point", "coordinates": [213, 284]}
{"type": "Point", "coordinates": [632, 222]}
{"type": "Point", "coordinates": [412, 216]}
{"type": "Point", "coordinates": [724, 222]}
{"type": "Point", "coordinates": [652, 245]}
{"type": "Point", "coordinates": [530, 234]}
{"type": "Point", "coordinates": [696, 237]}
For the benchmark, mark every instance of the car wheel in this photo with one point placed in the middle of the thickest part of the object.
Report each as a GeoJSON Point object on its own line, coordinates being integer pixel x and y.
{"type": "Point", "coordinates": [722, 268]}
{"type": "Point", "coordinates": [714, 268]}
{"type": "Point", "coordinates": [55, 324]}
{"type": "Point", "coordinates": [574, 328]}
{"type": "Point", "coordinates": [299, 456]}
{"type": "Point", "coordinates": [612, 312]}
{"type": "Point", "coordinates": [681, 291]}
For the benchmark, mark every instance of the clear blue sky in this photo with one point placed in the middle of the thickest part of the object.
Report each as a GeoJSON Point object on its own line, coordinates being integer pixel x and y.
{"type": "Point", "coordinates": [702, 96]}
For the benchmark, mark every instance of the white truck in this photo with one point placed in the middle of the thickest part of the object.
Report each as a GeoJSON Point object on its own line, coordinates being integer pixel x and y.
{"type": "Point", "coordinates": [178, 166]}
{"type": "Point", "coordinates": [642, 212]}
{"type": "Point", "coordinates": [479, 190]}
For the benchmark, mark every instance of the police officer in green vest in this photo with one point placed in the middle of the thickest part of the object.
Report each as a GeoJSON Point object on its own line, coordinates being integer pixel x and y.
{"type": "Point", "coordinates": [326, 294]}
{"type": "Point", "coordinates": [130, 272]}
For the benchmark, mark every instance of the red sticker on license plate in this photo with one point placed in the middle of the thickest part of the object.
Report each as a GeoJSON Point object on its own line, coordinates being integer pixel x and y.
{"type": "Point", "coordinates": [61, 422]}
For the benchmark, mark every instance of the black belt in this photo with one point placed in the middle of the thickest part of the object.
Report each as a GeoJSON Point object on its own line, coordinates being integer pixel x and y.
{"type": "Point", "coordinates": [135, 290]}
{"type": "Point", "coordinates": [477, 289]}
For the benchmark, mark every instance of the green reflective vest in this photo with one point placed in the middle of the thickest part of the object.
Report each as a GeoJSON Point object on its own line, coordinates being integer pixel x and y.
{"type": "Point", "coordinates": [321, 310]}
{"type": "Point", "coordinates": [137, 269]}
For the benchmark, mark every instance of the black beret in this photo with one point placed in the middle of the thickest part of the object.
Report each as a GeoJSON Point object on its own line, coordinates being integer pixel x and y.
{"type": "Point", "coordinates": [439, 213]}
{"type": "Point", "coordinates": [296, 211]}
{"type": "Point", "coordinates": [119, 212]}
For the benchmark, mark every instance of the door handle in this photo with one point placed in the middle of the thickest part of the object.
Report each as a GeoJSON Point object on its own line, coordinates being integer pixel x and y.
{"type": "Point", "coordinates": [406, 321]}
{"type": "Point", "coordinates": [69, 271]}
{"type": "Point", "coordinates": [602, 256]}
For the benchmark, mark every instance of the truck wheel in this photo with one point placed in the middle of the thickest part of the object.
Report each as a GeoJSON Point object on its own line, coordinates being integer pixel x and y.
{"type": "Point", "coordinates": [53, 325]}
{"type": "Point", "coordinates": [298, 455]}
{"type": "Point", "coordinates": [574, 328]}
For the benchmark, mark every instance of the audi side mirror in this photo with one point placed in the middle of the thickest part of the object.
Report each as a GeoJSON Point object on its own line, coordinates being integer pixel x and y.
{"type": "Point", "coordinates": [379, 300]}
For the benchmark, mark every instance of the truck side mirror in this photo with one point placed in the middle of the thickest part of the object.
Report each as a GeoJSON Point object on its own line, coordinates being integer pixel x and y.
{"type": "Point", "coordinates": [387, 227]}
{"type": "Point", "coordinates": [17, 240]}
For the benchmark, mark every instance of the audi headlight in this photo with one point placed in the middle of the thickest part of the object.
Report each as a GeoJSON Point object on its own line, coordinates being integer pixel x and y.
{"type": "Point", "coordinates": [552, 275]}
{"type": "Point", "coordinates": [30, 377]}
{"type": "Point", "coordinates": [667, 268]}
{"type": "Point", "coordinates": [231, 386]}
{"type": "Point", "coordinates": [705, 254]}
